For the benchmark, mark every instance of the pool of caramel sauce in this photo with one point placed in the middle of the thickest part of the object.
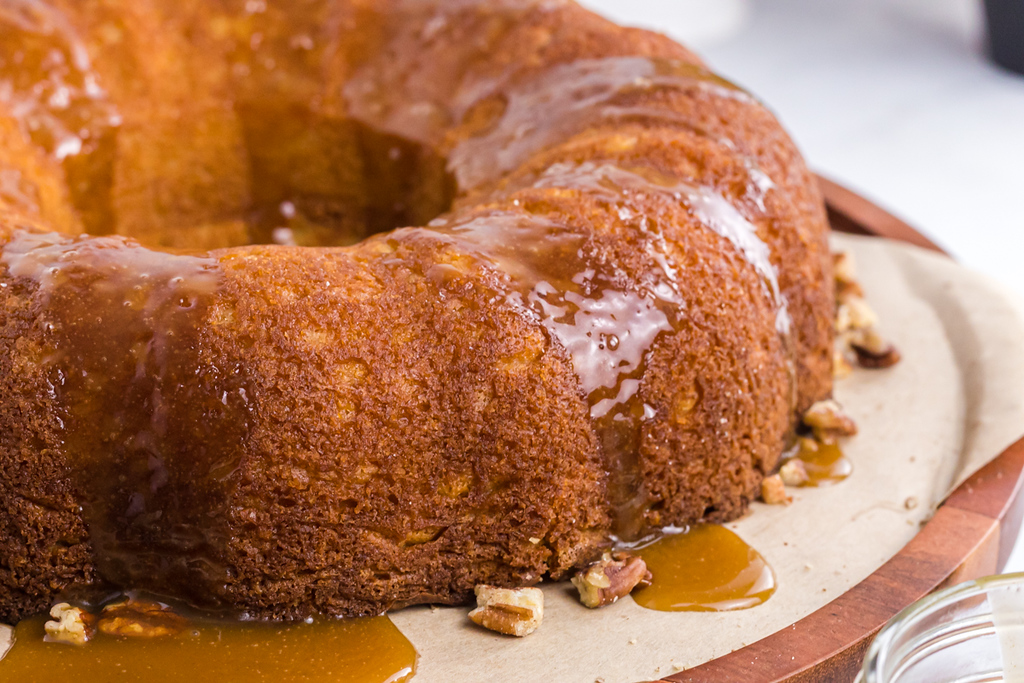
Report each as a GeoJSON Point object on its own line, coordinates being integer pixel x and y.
{"type": "Point", "coordinates": [707, 568]}
{"type": "Point", "coordinates": [362, 650]}
{"type": "Point", "coordinates": [704, 568]}
{"type": "Point", "coordinates": [825, 463]}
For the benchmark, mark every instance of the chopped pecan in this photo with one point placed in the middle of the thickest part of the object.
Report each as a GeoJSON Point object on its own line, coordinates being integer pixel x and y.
{"type": "Point", "coordinates": [844, 273]}
{"type": "Point", "coordinates": [773, 491]}
{"type": "Point", "coordinates": [794, 473]}
{"type": "Point", "coordinates": [828, 421]}
{"type": "Point", "coordinates": [867, 339]}
{"type": "Point", "coordinates": [845, 291]}
{"type": "Point", "coordinates": [869, 359]}
{"type": "Point", "coordinates": [140, 619]}
{"type": "Point", "coordinates": [512, 611]}
{"type": "Point", "coordinates": [70, 625]}
{"type": "Point", "coordinates": [808, 444]}
{"type": "Point", "coordinates": [855, 314]}
{"type": "Point", "coordinates": [612, 577]}
{"type": "Point", "coordinates": [856, 324]}
{"type": "Point", "coordinates": [872, 350]}
{"type": "Point", "coordinates": [841, 367]}
{"type": "Point", "coordinates": [844, 268]}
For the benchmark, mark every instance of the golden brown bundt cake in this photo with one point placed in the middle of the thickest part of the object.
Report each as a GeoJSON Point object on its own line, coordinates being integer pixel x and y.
{"type": "Point", "coordinates": [616, 307]}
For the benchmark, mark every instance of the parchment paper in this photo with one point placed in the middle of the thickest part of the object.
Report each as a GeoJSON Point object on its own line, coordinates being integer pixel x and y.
{"type": "Point", "coordinates": [953, 403]}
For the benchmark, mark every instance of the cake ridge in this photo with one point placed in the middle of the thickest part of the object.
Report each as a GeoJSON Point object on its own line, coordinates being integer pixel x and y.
{"type": "Point", "coordinates": [539, 111]}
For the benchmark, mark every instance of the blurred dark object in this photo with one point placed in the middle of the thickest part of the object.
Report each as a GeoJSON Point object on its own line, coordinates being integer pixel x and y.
{"type": "Point", "coordinates": [1006, 33]}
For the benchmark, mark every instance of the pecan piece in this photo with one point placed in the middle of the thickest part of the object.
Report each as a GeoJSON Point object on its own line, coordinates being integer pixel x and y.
{"type": "Point", "coordinates": [855, 314]}
{"type": "Point", "coordinates": [70, 625]}
{"type": "Point", "coordinates": [828, 421]}
{"type": "Point", "coordinates": [512, 611]}
{"type": "Point", "coordinates": [794, 473]}
{"type": "Point", "coordinates": [612, 577]}
{"type": "Point", "coordinates": [856, 324]}
{"type": "Point", "coordinates": [872, 350]}
{"type": "Point", "coordinates": [845, 291]}
{"type": "Point", "coordinates": [844, 267]}
{"type": "Point", "coordinates": [841, 367]}
{"type": "Point", "coordinates": [140, 619]}
{"type": "Point", "coordinates": [773, 491]}
{"type": "Point", "coordinates": [868, 359]}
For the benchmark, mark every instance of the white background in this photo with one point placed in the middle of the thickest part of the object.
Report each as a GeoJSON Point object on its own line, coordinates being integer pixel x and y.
{"type": "Point", "coordinates": [894, 99]}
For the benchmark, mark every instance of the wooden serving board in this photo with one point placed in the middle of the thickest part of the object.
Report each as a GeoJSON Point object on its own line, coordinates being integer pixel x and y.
{"type": "Point", "coordinates": [971, 535]}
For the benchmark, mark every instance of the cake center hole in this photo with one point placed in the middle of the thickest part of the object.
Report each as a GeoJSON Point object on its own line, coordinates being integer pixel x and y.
{"type": "Point", "coordinates": [317, 181]}
{"type": "Point", "coordinates": [252, 167]}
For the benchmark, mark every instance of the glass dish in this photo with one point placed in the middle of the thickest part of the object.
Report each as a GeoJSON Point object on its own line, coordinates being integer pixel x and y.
{"type": "Point", "coordinates": [970, 633]}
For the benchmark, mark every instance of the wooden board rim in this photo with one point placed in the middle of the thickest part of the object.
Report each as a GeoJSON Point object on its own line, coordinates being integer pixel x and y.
{"type": "Point", "coordinates": [970, 535]}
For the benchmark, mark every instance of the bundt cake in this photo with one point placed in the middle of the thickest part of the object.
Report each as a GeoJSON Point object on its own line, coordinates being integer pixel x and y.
{"type": "Point", "coordinates": [228, 374]}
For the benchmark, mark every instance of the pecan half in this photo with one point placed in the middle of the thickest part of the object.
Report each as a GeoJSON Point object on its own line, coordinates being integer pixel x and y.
{"type": "Point", "coordinates": [512, 611]}
{"type": "Point", "coordinates": [612, 577]}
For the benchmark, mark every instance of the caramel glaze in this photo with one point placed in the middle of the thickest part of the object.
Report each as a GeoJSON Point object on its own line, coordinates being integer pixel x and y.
{"type": "Point", "coordinates": [607, 315]}
{"type": "Point", "coordinates": [563, 101]}
{"type": "Point", "coordinates": [610, 331]}
{"type": "Point", "coordinates": [150, 427]}
{"type": "Point", "coordinates": [707, 568]}
{"type": "Point", "coordinates": [369, 650]}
